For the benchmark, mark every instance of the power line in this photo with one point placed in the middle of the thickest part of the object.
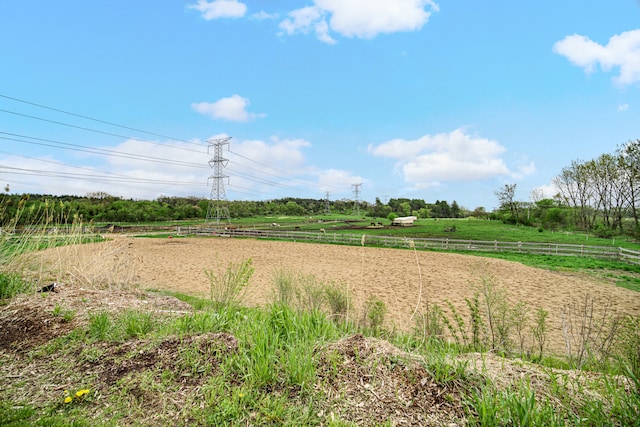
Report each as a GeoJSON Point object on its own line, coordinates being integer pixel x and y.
{"type": "Point", "coordinates": [82, 148]}
{"type": "Point", "coordinates": [93, 130]}
{"type": "Point", "coordinates": [88, 177]}
{"type": "Point", "coordinates": [96, 120]}
{"type": "Point", "coordinates": [99, 151]}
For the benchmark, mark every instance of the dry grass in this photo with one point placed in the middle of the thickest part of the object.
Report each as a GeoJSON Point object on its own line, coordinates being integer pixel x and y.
{"type": "Point", "coordinates": [103, 265]}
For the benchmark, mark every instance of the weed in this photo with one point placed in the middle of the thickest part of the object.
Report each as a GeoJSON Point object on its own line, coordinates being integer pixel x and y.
{"type": "Point", "coordinates": [310, 293]}
{"type": "Point", "coordinates": [227, 286]}
{"type": "Point", "coordinates": [11, 285]}
{"type": "Point", "coordinates": [627, 346]}
{"type": "Point", "coordinates": [100, 326]}
{"type": "Point", "coordinates": [67, 315]}
{"type": "Point", "coordinates": [477, 324]}
{"type": "Point", "coordinates": [520, 317]}
{"type": "Point", "coordinates": [136, 324]}
{"type": "Point", "coordinates": [285, 287]}
{"type": "Point", "coordinates": [429, 325]}
{"type": "Point", "coordinates": [539, 330]}
{"type": "Point", "coordinates": [457, 328]}
{"type": "Point", "coordinates": [588, 335]}
{"type": "Point", "coordinates": [337, 296]}
{"type": "Point", "coordinates": [375, 311]}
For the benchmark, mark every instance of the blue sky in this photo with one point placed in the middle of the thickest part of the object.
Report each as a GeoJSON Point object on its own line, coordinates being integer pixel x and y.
{"type": "Point", "coordinates": [435, 100]}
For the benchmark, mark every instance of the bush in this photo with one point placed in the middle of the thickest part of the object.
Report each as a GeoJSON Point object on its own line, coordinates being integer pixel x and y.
{"type": "Point", "coordinates": [337, 297]}
{"type": "Point", "coordinates": [228, 286]}
{"type": "Point", "coordinates": [375, 312]}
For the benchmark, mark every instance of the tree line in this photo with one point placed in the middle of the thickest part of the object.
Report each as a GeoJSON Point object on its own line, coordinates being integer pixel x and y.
{"type": "Point", "coordinates": [105, 208]}
{"type": "Point", "coordinates": [601, 195]}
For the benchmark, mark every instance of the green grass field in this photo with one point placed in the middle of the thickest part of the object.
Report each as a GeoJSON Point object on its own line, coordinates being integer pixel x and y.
{"type": "Point", "coordinates": [465, 229]}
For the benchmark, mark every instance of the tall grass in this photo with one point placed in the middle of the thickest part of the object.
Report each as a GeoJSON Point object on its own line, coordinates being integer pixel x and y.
{"type": "Point", "coordinates": [27, 252]}
{"type": "Point", "coordinates": [228, 285]}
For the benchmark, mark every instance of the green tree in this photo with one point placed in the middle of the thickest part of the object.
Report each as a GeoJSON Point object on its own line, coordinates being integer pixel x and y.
{"type": "Point", "coordinates": [507, 200]}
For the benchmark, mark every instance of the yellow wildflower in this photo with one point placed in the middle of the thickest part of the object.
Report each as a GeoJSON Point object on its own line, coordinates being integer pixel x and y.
{"type": "Point", "coordinates": [68, 399]}
{"type": "Point", "coordinates": [82, 392]}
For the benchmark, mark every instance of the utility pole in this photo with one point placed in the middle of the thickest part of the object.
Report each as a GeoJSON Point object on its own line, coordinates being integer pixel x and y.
{"type": "Point", "coordinates": [327, 210]}
{"type": "Point", "coordinates": [218, 205]}
{"type": "Point", "coordinates": [356, 198]}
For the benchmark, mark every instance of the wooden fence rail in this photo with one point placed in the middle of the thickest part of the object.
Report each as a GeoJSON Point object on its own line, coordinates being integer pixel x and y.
{"type": "Point", "coordinates": [559, 249]}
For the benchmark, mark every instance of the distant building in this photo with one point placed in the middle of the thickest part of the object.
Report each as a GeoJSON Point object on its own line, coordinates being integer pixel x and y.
{"type": "Point", "coordinates": [405, 221]}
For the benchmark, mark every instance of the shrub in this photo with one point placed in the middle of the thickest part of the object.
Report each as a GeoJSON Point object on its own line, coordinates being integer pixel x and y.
{"type": "Point", "coordinates": [539, 330]}
{"type": "Point", "coordinates": [589, 333]}
{"type": "Point", "coordinates": [337, 297]}
{"type": "Point", "coordinates": [228, 286]}
{"type": "Point", "coordinates": [375, 310]}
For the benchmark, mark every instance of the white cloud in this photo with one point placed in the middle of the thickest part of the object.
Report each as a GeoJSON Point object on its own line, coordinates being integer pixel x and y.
{"type": "Point", "coordinates": [623, 107]}
{"type": "Point", "coordinates": [358, 18]}
{"type": "Point", "coordinates": [332, 179]}
{"type": "Point", "coordinates": [220, 9]}
{"type": "Point", "coordinates": [233, 109]}
{"type": "Point", "coordinates": [622, 51]}
{"type": "Point", "coordinates": [452, 157]}
{"type": "Point", "coordinates": [130, 169]}
{"type": "Point", "coordinates": [284, 155]}
{"type": "Point", "coordinates": [547, 191]}
{"type": "Point", "coordinates": [264, 16]}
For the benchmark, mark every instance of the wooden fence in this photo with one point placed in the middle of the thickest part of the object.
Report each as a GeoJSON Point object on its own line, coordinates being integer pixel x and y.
{"type": "Point", "coordinates": [559, 249]}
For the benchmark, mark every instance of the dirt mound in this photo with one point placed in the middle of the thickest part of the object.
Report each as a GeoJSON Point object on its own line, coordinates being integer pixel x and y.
{"type": "Point", "coordinates": [32, 320]}
{"type": "Point", "coordinates": [367, 380]}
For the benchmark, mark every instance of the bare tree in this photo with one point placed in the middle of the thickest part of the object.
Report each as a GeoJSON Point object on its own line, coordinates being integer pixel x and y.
{"type": "Point", "coordinates": [576, 191]}
{"type": "Point", "coordinates": [506, 197]}
{"type": "Point", "coordinates": [630, 171]}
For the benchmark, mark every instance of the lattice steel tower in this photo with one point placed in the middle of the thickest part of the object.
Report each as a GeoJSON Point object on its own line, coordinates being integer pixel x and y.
{"type": "Point", "coordinates": [356, 198]}
{"type": "Point", "coordinates": [327, 209]}
{"type": "Point", "coordinates": [218, 205]}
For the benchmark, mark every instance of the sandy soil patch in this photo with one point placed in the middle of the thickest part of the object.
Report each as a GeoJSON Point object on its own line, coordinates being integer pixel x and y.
{"type": "Point", "coordinates": [405, 280]}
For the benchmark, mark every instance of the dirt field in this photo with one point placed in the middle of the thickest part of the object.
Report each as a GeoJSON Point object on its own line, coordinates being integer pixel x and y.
{"type": "Point", "coordinates": [405, 280]}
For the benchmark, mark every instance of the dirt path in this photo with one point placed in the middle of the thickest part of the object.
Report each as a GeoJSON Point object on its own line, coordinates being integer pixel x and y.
{"type": "Point", "coordinates": [405, 280]}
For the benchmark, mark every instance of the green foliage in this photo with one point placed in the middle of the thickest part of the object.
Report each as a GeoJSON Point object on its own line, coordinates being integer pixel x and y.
{"type": "Point", "coordinates": [539, 330]}
{"type": "Point", "coordinates": [100, 326]}
{"type": "Point", "coordinates": [457, 328]}
{"type": "Point", "coordinates": [228, 286]}
{"type": "Point", "coordinates": [11, 284]}
{"type": "Point", "coordinates": [136, 323]}
{"type": "Point", "coordinates": [337, 295]}
{"type": "Point", "coordinates": [512, 408]}
{"type": "Point", "coordinates": [477, 323]}
{"type": "Point", "coordinates": [375, 311]}
{"type": "Point", "coordinates": [429, 326]}
{"type": "Point", "coordinates": [627, 346]}
{"type": "Point", "coordinates": [285, 287]}
{"type": "Point", "coordinates": [67, 315]}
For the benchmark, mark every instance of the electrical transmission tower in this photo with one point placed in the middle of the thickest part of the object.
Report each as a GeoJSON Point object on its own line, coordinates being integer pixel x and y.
{"type": "Point", "coordinates": [327, 210]}
{"type": "Point", "coordinates": [356, 198]}
{"type": "Point", "coordinates": [218, 206]}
